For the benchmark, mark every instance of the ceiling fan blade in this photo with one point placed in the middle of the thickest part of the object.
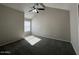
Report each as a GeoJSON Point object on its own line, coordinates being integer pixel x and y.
{"type": "Point", "coordinates": [34, 7]}
{"type": "Point", "coordinates": [40, 8]}
{"type": "Point", "coordinates": [42, 5]}
{"type": "Point", "coordinates": [30, 10]}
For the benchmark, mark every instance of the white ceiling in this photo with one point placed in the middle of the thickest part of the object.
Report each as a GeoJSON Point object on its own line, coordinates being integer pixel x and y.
{"type": "Point", "coordinates": [65, 6]}
{"type": "Point", "coordinates": [25, 7]}
{"type": "Point", "coordinates": [19, 6]}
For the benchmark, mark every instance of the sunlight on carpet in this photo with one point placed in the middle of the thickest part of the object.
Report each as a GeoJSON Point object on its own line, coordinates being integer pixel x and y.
{"type": "Point", "coordinates": [32, 39]}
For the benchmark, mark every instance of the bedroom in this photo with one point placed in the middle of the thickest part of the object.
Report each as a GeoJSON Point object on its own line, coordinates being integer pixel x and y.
{"type": "Point", "coordinates": [42, 32]}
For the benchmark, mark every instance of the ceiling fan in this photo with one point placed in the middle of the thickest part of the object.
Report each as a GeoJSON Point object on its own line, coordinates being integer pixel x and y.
{"type": "Point", "coordinates": [37, 7]}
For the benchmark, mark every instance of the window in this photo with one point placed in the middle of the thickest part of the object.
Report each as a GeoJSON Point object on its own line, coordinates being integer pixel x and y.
{"type": "Point", "coordinates": [26, 26]}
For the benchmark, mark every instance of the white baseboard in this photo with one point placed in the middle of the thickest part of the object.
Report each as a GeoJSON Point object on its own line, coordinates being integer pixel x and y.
{"type": "Point", "coordinates": [7, 42]}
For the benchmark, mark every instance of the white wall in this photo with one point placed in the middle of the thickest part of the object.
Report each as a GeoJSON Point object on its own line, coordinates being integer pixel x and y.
{"type": "Point", "coordinates": [52, 23]}
{"type": "Point", "coordinates": [11, 25]}
{"type": "Point", "coordinates": [74, 27]}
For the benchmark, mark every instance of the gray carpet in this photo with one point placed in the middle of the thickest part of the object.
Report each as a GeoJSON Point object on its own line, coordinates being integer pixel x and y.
{"type": "Point", "coordinates": [44, 47]}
